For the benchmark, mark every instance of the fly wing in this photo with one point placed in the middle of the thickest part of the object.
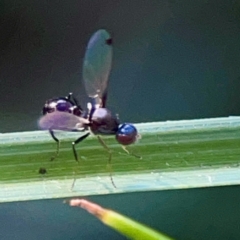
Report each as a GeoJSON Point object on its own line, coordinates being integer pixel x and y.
{"type": "Point", "coordinates": [97, 64]}
{"type": "Point", "coordinates": [62, 121]}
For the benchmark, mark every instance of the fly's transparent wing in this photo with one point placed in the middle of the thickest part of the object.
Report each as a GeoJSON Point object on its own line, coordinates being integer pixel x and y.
{"type": "Point", "coordinates": [62, 121]}
{"type": "Point", "coordinates": [97, 63]}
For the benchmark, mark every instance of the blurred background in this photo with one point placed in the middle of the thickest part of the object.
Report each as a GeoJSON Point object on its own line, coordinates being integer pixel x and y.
{"type": "Point", "coordinates": [172, 60]}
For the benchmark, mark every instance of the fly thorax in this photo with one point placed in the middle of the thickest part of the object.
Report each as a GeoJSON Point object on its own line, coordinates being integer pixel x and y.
{"type": "Point", "coordinates": [103, 122]}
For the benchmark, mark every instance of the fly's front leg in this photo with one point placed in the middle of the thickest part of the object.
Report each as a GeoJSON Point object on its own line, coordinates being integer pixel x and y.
{"type": "Point", "coordinates": [58, 144]}
{"type": "Point", "coordinates": [130, 153]}
{"type": "Point", "coordinates": [109, 159]}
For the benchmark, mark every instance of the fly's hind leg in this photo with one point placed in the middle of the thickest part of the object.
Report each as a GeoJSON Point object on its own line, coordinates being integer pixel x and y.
{"type": "Point", "coordinates": [58, 144]}
{"type": "Point", "coordinates": [75, 153]}
{"type": "Point", "coordinates": [75, 101]}
{"type": "Point", "coordinates": [76, 142]}
{"type": "Point", "coordinates": [109, 159]}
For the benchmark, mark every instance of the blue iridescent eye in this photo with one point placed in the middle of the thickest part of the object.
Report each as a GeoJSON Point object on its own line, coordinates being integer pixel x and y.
{"type": "Point", "coordinates": [126, 134]}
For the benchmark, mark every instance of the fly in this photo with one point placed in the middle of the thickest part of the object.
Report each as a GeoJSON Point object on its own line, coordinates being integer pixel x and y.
{"type": "Point", "coordinates": [66, 114]}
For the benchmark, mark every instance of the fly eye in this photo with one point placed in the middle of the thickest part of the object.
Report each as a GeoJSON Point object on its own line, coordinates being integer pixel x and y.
{"type": "Point", "coordinates": [126, 134]}
{"type": "Point", "coordinates": [63, 106]}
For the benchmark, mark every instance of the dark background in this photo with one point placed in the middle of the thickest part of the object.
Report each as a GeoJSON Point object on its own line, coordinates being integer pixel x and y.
{"type": "Point", "coordinates": [172, 60]}
{"type": "Point", "coordinates": [193, 214]}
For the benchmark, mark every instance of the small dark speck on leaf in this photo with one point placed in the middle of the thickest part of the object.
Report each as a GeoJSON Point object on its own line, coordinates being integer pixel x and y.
{"type": "Point", "coordinates": [42, 171]}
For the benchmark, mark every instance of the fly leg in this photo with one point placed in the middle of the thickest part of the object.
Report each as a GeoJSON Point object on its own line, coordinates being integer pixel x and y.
{"type": "Point", "coordinates": [75, 153]}
{"type": "Point", "coordinates": [69, 96]}
{"type": "Point", "coordinates": [75, 101]}
{"type": "Point", "coordinates": [76, 142]}
{"type": "Point", "coordinates": [58, 144]}
{"type": "Point", "coordinates": [109, 159]}
{"type": "Point", "coordinates": [130, 153]}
